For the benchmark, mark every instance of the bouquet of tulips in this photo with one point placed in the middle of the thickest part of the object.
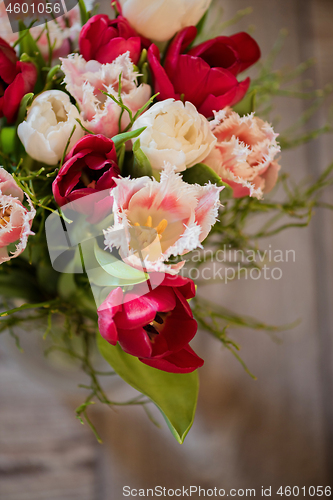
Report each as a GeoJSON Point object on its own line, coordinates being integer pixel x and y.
{"type": "Point", "coordinates": [128, 142]}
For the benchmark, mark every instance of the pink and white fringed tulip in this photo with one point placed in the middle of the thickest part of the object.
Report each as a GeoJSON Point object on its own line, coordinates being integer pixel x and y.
{"type": "Point", "coordinates": [244, 155]}
{"type": "Point", "coordinates": [15, 219]}
{"type": "Point", "coordinates": [155, 220]}
{"type": "Point", "coordinates": [86, 80]}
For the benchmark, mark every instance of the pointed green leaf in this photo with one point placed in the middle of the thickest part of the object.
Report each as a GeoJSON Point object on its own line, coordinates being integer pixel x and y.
{"type": "Point", "coordinates": [175, 394]}
{"type": "Point", "coordinates": [8, 139]}
{"type": "Point", "coordinates": [201, 24]}
{"type": "Point", "coordinates": [25, 102]}
{"type": "Point", "coordinates": [247, 105]}
{"type": "Point", "coordinates": [120, 139]}
{"type": "Point", "coordinates": [29, 46]}
{"type": "Point", "coordinates": [201, 174]}
{"type": "Point", "coordinates": [83, 12]}
{"type": "Point", "coordinates": [141, 164]}
{"type": "Point", "coordinates": [117, 268]}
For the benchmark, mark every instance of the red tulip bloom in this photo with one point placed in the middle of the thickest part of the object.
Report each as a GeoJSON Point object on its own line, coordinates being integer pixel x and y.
{"type": "Point", "coordinates": [90, 167]}
{"type": "Point", "coordinates": [103, 39]}
{"type": "Point", "coordinates": [16, 79]}
{"type": "Point", "coordinates": [206, 74]}
{"type": "Point", "coordinates": [156, 326]}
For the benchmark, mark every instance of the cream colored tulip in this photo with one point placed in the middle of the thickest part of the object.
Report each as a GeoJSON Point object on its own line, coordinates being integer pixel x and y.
{"type": "Point", "coordinates": [48, 126]}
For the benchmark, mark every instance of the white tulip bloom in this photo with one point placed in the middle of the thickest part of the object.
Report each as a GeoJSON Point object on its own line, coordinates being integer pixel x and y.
{"type": "Point", "coordinates": [160, 20]}
{"type": "Point", "coordinates": [48, 126]}
{"type": "Point", "coordinates": [175, 133]}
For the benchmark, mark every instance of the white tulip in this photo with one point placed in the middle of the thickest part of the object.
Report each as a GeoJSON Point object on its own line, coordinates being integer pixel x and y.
{"type": "Point", "coordinates": [48, 126]}
{"type": "Point", "coordinates": [160, 20]}
{"type": "Point", "coordinates": [175, 133]}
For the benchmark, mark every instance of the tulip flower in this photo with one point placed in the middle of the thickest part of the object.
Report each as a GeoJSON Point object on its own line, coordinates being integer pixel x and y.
{"type": "Point", "coordinates": [244, 155]}
{"type": "Point", "coordinates": [15, 219]}
{"type": "Point", "coordinates": [103, 39]}
{"type": "Point", "coordinates": [206, 74]}
{"type": "Point", "coordinates": [175, 133]}
{"type": "Point", "coordinates": [48, 126]}
{"type": "Point", "coordinates": [161, 219]}
{"type": "Point", "coordinates": [86, 81]}
{"type": "Point", "coordinates": [16, 79]}
{"type": "Point", "coordinates": [156, 326]}
{"type": "Point", "coordinates": [89, 167]}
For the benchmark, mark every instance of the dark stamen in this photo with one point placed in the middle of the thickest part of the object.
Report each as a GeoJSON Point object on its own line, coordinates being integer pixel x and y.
{"type": "Point", "coordinates": [159, 319]}
{"type": "Point", "coordinates": [155, 327]}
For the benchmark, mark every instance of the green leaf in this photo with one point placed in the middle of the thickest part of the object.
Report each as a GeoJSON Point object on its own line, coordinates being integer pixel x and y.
{"type": "Point", "coordinates": [247, 105]}
{"type": "Point", "coordinates": [29, 46]}
{"type": "Point", "coordinates": [100, 277]}
{"type": "Point", "coordinates": [25, 102]}
{"type": "Point", "coordinates": [121, 139]}
{"type": "Point", "coordinates": [143, 58]}
{"type": "Point", "coordinates": [117, 268]}
{"type": "Point", "coordinates": [201, 23]}
{"type": "Point", "coordinates": [174, 394]}
{"type": "Point", "coordinates": [141, 164]}
{"type": "Point", "coordinates": [83, 12]}
{"type": "Point", "coordinates": [8, 139]}
{"type": "Point", "coordinates": [144, 78]}
{"type": "Point", "coordinates": [201, 174]}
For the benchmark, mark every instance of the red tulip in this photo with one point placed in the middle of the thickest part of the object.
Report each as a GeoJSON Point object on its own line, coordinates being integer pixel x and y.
{"type": "Point", "coordinates": [206, 74]}
{"type": "Point", "coordinates": [91, 166]}
{"type": "Point", "coordinates": [16, 79]}
{"type": "Point", "coordinates": [156, 326]}
{"type": "Point", "coordinates": [103, 39]}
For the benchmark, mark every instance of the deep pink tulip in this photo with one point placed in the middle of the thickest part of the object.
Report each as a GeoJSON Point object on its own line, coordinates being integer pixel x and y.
{"type": "Point", "coordinates": [103, 39]}
{"type": "Point", "coordinates": [16, 79]}
{"type": "Point", "coordinates": [91, 166]}
{"type": "Point", "coordinates": [206, 74]}
{"type": "Point", "coordinates": [156, 326]}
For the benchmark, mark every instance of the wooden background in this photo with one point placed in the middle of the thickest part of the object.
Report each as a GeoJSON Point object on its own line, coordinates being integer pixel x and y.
{"type": "Point", "coordinates": [276, 431]}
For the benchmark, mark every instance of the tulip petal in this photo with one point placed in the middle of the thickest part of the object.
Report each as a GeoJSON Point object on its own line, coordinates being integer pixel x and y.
{"type": "Point", "coordinates": [117, 46]}
{"type": "Point", "coordinates": [8, 60]}
{"type": "Point", "coordinates": [184, 361]}
{"type": "Point", "coordinates": [191, 78]}
{"type": "Point", "coordinates": [206, 211]}
{"type": "Point", "coordinates": [177, 46]}
{"type": "Point", "coordinates": [247, 48]}
{"type": "Point", "coordinates": [214, 103]}
{"type": "Point", "coordinates": [218, 52]}
{"type": "Point", "coordinates": [135, 342]}
{"type": "Point", "coordinates": [162, 83]}
{"type": "Point", "coordinates": [23, 82]}
{"type": "Point", "coordinates": [136, 312]}
{"type": "Point", "coordinates": [186, 286]}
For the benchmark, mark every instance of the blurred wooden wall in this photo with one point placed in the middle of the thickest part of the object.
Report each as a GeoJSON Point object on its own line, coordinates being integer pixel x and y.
{"type": "Point", "coordinates": [276, 431]}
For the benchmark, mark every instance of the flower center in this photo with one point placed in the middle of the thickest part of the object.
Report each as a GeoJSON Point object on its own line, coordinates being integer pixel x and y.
{"type": "Point", "coordinates": [4, 215]}
{"type": "Point", "coordinates": [59, 111]}
{"type": "Point", "coordinates": [89, 177]}
{"type": "Point", "coordinates": [143, 236]}
{"type": "Point", "coordinates": [156, 326]}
